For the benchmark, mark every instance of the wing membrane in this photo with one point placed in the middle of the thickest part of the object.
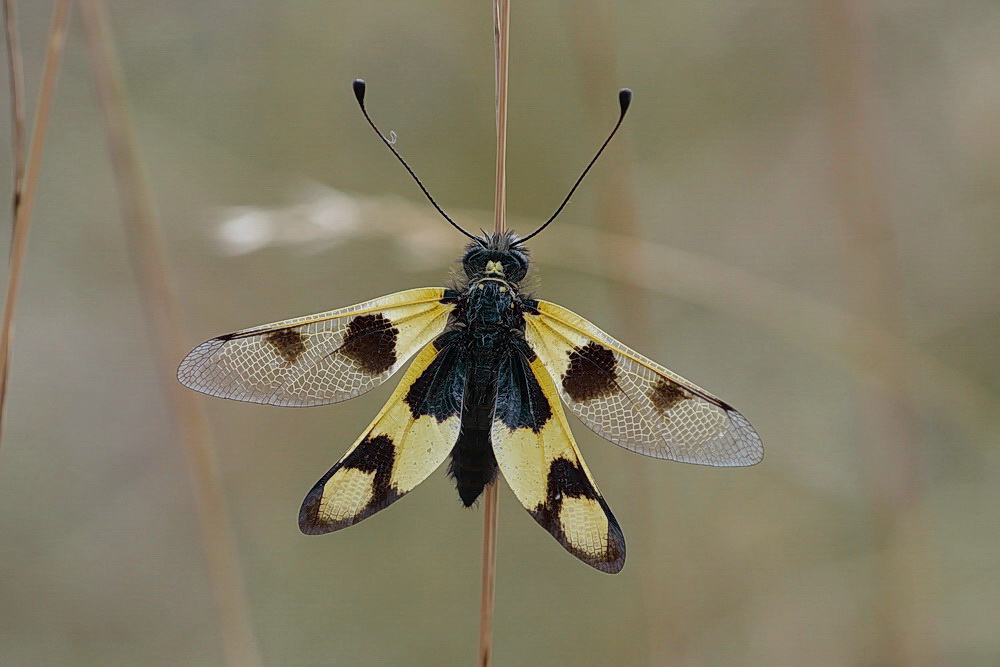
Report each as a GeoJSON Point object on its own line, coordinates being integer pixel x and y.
{"type": "Point", "coordinates": [633, 401]}
{"type": "Point", "coordinates": [405, 443]}
{"type": "Point", "coordinates": [318, 359]}
{"type": "Point", "coordinates": [540, 461]}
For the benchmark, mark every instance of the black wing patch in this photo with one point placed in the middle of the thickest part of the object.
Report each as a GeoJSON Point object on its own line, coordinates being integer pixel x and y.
{"type": "Point", "coordinates": [321, 358]}
{"type": "Point", "coordinates": [370, 342]}
{"type": "Point", "coordinates": [633, 401]}
{"type": "Point", "coordinates": [405, 443]}
{"type": "Point", "coordinates": [540, 461]}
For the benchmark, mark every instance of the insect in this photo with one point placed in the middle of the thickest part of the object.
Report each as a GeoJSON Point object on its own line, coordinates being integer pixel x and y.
{"type": "Point", "coordinates": [492, 365]}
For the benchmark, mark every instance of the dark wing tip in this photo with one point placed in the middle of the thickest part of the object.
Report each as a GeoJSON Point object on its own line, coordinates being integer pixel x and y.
{"type": "Point", "coordinates": [309, 521]}
{"type": "Point", "coordinates": [616, 544]}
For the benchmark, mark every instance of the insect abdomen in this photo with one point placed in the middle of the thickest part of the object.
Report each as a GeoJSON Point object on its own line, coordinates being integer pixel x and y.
{"type": "Point", "coordinates": [473, 465]}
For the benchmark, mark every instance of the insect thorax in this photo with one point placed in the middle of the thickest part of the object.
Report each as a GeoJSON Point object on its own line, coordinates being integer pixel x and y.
{"type": "Point", "coordinates": [496, 256]}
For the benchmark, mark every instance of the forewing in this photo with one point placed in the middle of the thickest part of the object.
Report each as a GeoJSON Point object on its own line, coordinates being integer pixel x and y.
{"type": "Point", "coordinates": [633, 401]}
{"type": "Point", "coordinates": [540, 461]}
{"type": "Point", "coordinates": [318, 359]}
{"type": "Point", "coordinates": [405, 443]}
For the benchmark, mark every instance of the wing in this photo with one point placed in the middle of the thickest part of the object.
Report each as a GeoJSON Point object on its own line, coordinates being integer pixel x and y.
{"type": "Point", "coordinates": [405, 443]}
{"type": "Point", "coordinates": [318, 359]}
{"type": "Point", "coordinates": [540, 461]}
{"type": "Point", "coordinates": [633, 401]}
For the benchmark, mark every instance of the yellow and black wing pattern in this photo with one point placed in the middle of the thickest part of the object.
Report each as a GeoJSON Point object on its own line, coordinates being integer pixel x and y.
{"type": "Point", "coordinates": [406, 442]}
{"type": "Point", "coordinates": [538, 457]}
{"type": "Point", "coordinates": [633, 401]}
{"type": "Point", "coordinates": [318, 359]}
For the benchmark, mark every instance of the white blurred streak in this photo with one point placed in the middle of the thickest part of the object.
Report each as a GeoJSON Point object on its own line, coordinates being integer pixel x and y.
{"type": "Point", "coordinates": [244, 230]}
{"type": "Point", "coordinates": [325, 219]}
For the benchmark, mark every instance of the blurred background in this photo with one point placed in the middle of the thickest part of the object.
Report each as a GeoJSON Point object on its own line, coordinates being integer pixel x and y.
{"type": "Point", "coordinates": [799, 215]}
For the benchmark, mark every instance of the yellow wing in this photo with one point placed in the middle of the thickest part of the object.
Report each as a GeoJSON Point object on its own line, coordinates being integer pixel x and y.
{"type": "Point", "coordinates": [633, 401]}
{"type": "Point", "coordinates": [318, 359]}
{"type": "Point", "coordinates": [405, 443]}
{"type": "Point", "coordinates": [538, 457]}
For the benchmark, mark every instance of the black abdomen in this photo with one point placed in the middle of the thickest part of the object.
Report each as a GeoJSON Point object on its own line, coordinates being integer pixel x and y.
{"type": "Point", "coordinates": [473, 464]}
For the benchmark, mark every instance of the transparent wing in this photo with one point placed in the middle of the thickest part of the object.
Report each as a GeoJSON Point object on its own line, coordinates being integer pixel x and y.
{"type": "Point", "coordinates": [633, 401]}
{"type": "Point", "coordinates": [318, 359]}
{"type": "Point", "coordinates": [539, 459]}
{"type": "Point", "coordinates": [405, 443]}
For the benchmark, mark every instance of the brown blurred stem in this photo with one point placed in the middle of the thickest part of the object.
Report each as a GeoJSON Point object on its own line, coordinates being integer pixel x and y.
{"type": "Point", "coordinates": [489, 578]}
{"type": "Point", "coordinates": [593, 38]}
{"type": "Point", "coordinates": [501, 15]}
{"type": "Point", "coordinates": [15, 80]}
{"type": "Point", "coordinates": [150, 266]}
{"type": "Point", "coordinates": [501, 28]}
{"type": "Point", "coordinates": [873, 292]}
{"type": "Point", "coordinates": [25, 199]}
{"type": "Point", "coordinates": [594, 42]}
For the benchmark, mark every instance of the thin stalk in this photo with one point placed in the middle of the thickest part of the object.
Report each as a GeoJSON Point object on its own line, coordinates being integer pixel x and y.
{"type": "Point", "coordinates": [861, 184]}
{"type": "Point", "coordinates": [501, 28]}
{"type": "Point", "coordinates": [15, 80]}
{"type": "Point", "coordinates": [152, 271]}
{"type": "Point", "coordinates": [592, 33]}
{"type": "Point", "coordinates": [19, 238]}
{"type": "Point", "coordinates": [489, 579]}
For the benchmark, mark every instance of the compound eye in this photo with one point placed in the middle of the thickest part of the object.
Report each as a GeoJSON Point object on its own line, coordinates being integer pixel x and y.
{"type": "Point", "coordinates": [515, 266]}
{"type": "Point", "coordinates": [474, 262]}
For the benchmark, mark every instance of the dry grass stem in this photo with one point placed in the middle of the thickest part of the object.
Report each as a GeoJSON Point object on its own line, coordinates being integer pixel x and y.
{"type": "Point", "coordinates": [26, 201]}
{"type": "Point", "coordinates": [501, 27]}
{"type": "Point", "coordinates": [15, 80]}
{"type": "Point", "coordinates": [491, 512]}
{"type": "Point", "coordinates": [860, 182]}
{"type": "Point", "coordinates": [159, 297]}
{"type": "Point", "coordinates": [593, 38]}
{"type": "Point", "coordinates": [595, 47]}
{"type": "Point", "coordinates": [501, 16]}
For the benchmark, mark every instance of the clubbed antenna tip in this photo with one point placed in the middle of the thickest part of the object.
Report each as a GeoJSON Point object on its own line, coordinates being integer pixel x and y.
{"type": "Point", "coordinates": [624, 100]}
{"type": "Point", "coordinates": [624, 95]}
{"type": "Point", "coordinates": [359, 92]}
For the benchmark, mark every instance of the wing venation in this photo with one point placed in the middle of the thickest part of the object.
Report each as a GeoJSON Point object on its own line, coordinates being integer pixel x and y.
{"type": "Point", "coordinates": [539, 459]}
{"type": "Point", "coordinates": [318, 359]}
{"type": "Point", "coordinates": [633, 401]}
{"type": "Point", "coordinates": [405, 443]}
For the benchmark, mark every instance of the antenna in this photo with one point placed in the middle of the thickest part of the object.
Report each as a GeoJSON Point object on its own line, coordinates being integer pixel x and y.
{"type": "Point", "coordinates": [624, 99]}
{"type": "Point", "coordinates": [359, 92]}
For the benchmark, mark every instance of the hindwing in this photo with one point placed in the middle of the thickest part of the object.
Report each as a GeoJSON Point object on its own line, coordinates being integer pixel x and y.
{"type": "Point", "coordinates": [405, 443]}
{"type": "Point", "coordinates": [536, 452]}
{"type": "Point", "coordinates": [318, 359]}
{"type": "Point", "coordinates": [633, 401]}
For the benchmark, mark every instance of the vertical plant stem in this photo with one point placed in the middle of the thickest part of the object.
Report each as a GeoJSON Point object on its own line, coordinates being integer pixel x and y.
{"type": "Point", "coordinates": [489, 579]}
{"type": "Point", "coordinates": [153, 275]}
{"type": "Point", "coordinates": [25, 204]}
{"type": "Point", "coordinates": [861, 187]}
{"type": "Point", "coordinates": [501, 27]}
{"type": "Point", "coordinates": [15, 79]}
{"type": "Point", "coordinates": [501, 15]}
{"type": "Point", "coordinates": [593, 37]}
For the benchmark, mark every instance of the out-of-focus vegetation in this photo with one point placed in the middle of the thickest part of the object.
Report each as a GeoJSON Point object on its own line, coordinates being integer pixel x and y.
{"type": "Point", "coordinates": [799, 215]}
